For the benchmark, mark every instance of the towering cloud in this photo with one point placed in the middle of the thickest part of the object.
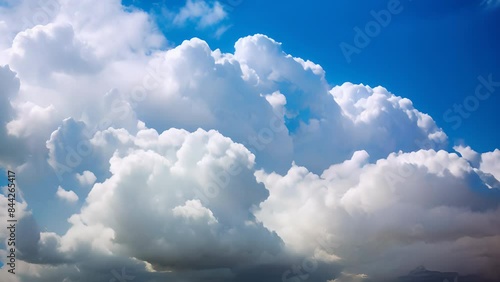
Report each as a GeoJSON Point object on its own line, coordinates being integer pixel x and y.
{"type": "Point", "coordinates": [190, 164]}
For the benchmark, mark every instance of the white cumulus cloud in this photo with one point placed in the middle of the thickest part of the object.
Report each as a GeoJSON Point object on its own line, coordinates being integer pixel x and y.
{"type": "Point", "coordinates": [86, 178]}
{"type": "Point", "coordinates": [65, 195]}
{"type": "Point", "coordinates": [203, 165]}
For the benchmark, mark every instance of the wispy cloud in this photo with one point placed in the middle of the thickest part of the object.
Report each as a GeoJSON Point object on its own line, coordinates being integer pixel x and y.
{"type": "Point", "coordinates": [201, 13]}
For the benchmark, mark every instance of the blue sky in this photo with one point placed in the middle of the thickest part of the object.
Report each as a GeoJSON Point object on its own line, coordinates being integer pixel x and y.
{"type": "Point", "coordinates": [432, 52]}
{"type": "Point", "coordinates": [136, 144]}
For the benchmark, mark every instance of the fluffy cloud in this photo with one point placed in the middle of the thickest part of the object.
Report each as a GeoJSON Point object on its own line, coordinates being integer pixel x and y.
{"type": "Point", "coordinates": [8, 91]}
{"type": "Point", "coordinates": [86, 178]}
{"type": "Point", "coordinates": [490, 163]}
{"type": "Point", "coordinates": [486, 165]}
{"type": "Point", "coordinates": [387, 217]}
{"type": "Point", "coordinates": [467, 153]}
{"type": "Point", "coordinates": [62, 52]}
{"type": "Point", "coordinates": [206, 165]}
{"type": "Point", "coordinates": [68, 196]}
{"type": "Point", "coordinates": [174, 189]}
{"type": "Point", "coordinates": [93, 22]}
{"type": "Point", "coordinates": [31, 116]}
{"type": "Point", "coordinates": [357, 118]}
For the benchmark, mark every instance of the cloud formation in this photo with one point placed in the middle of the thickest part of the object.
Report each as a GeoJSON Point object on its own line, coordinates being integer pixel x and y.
{"type": "Point", "coordinates": [201, 165]}
{"type": "Point", "coordinates": [86, 178]}
{"type": "Point", "coordinates": [203, 14]}
{"type": "Point", "coordinates": [387, 217]}
{"type": "Point", "coordinates": [68, 196]}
